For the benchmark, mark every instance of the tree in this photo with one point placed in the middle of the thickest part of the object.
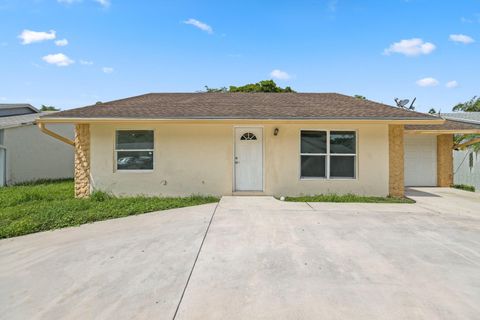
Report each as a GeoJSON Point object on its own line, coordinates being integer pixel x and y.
{"type": "Point", "coordinates": [222, 89]}
{"type": "Point", "coordinates": [359, 97]}
{"type": "Point", "coordinates": [472, 105]}
{"type": "Point", "coordinates": [48, 108]}
{"type": "Point", "coordinates": [432, 111]}
{"type": "Point", "coordinates": [262, 86]}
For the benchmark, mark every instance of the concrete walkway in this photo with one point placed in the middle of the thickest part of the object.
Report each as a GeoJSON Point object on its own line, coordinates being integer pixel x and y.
{"type": "Point", "coordinates": [258, 259]}
{"type": "Point", "coordinates": [128, 268]}
{"type": "Point", "coordinates": [263, 259]}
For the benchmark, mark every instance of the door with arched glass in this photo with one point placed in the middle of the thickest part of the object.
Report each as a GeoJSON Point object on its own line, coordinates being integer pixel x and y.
{"type": "Point", "coordinates": [248, 159]}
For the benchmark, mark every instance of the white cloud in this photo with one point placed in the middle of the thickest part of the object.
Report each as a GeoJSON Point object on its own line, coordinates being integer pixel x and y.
{"type": "Point", "coordinates": [461, 38]}
{"type": "Point", "coordinates": [107, 69]}
{"type": "Point", "coordinates": [58, 59]}
{"type": "Point", "coordinates": [86, 62]}
{"type": "Point", "coordinates": [200, 25]}
{"type": "Point", "coordinates": [279, 74]}
{"type": "Point", "coordinates": [68, 1]}
{"type": "Point", "coordinates": [427, 82]}
{"type": "Point", "coordinates": [104, 3]}
{"type": "Point", "coordinates": [29, 36]}
{"type": "Point", "coordinates": [410, 47]}
{"type": "Point", "coordinates": [332, 5]}
{"type": "Point", "coordinates": [451, 84]}
{"type": "Point", "coordinates": [472, 19]}
{"type": "Point", "coordinates": [61, 43]}
{"type": "Point", "coordinates": [36, 65]}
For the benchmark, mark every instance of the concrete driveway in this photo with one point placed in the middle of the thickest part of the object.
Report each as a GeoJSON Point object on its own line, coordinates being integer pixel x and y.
{"type": "Point", "coordinates": [260, 259]}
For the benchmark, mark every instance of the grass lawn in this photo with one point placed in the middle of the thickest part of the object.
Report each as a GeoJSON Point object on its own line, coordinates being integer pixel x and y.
{"type": "Point", "coordinates": [50, 205]}
{"type": "Point", "coordinates": [348, 198]}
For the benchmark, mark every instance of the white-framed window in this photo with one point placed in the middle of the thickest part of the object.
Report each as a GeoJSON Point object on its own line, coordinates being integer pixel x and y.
{"type": "Point", "coordinates": [329, 154]}
{"type": "Point", "coordinates": [134, 149]}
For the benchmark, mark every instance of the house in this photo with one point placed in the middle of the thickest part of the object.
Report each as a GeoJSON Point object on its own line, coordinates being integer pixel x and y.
{"type": "Point", "coordinates": [466, 162]}
{"type": "Point", "coordinates": [25, 153]}
{"type": "Point", "coordinates": [178, 144]}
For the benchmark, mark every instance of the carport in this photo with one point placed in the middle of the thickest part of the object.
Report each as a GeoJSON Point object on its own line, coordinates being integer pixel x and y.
{"type": "Point", "coordinates": [428, 152]}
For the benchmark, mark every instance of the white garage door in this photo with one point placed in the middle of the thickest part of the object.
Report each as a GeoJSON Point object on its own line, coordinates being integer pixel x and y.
{"type": "Point", "coordinates": [420, 160]}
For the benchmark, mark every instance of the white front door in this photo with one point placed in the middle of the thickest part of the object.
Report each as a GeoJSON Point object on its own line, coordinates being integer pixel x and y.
{"type": "Point", "coordinates": [420, 160]}
{"type": "Point", "coordinates": [248, 159]}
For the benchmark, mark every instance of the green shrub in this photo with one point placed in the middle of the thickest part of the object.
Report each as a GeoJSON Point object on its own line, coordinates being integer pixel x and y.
{"type": "Point", "coordinates": [348, 198]}
{"type": "Point", "coordinates": [465, 187]}
{"type": "Point", "coordinates": [100, 196]}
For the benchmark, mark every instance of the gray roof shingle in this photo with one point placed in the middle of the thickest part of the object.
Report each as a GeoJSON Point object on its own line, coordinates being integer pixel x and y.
{"type": "Point", "coordinates": [18, 105]}
{"type": "Point", "coordinates": [466, 116]}
{"type": "Point", "coordinates": [21, 120]}
{"type": "Point", "coordinates": [16, 121]}
{"type": "Point", "coordinates": [243, 106]}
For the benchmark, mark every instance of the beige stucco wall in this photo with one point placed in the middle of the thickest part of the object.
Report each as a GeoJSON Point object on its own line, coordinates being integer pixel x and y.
{"type": "Point", "coordinates": [283, 162]}
{"type": "Point", "coordinates": [187, 160]}
{"type": "Point", "coordinates": [198, 159]}
{"type": "Point", "coordinates": [33, 155]}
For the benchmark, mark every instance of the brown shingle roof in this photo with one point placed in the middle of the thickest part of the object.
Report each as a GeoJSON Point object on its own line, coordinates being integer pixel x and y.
{"type": "Point", "coordinates": [448, 125]}
{"type": "Point", "coordinates": [243, 106]}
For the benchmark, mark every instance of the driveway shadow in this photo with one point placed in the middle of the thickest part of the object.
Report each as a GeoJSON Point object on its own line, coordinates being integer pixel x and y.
{"type": "Point", "coordinates": [409, 192]}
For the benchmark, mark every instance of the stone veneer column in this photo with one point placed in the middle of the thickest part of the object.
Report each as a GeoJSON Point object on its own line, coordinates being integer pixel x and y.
{"type": "Point", "coordinates": [445, 160]}
{"type": "Point", "coordinates": [395, 156]}
{"type": "Point", "coordinates": [82, 160]}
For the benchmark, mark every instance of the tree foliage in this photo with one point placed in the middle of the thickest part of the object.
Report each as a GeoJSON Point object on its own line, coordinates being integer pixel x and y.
{"type": "Point", "coordinates": [432, 111]}
{"type": "Point", "coordinates": [358, 96]}
{"type": "Point", "coordinates": [48, 108]}
{"type": "Point", "coordinates": [463, 138]}
{"type": "Point", "coordinates": [473, 105]}
{"type": "Point", "coordinates": [214, 90]}
{"type": "Point", "coordinates": [262, 86]}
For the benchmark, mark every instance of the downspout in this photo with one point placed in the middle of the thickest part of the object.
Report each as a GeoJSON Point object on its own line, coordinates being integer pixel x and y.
{"type": "Point", "coordinates": [54, 135]}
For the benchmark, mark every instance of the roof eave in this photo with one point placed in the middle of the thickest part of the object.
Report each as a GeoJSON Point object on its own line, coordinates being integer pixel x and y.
{"type": "Point", "coordinates": [444, 131]}
{"type": "Point", "coordinates": [414, 121]}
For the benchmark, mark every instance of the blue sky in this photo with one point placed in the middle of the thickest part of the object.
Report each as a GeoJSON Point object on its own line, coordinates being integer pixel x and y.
{"type": "Point", "coordinates": [119, 48]}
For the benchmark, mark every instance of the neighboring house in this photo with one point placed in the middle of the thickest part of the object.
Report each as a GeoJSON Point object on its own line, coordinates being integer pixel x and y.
{"type": "Point", "coordinates": [179, 144]}
{"type": "Point", "coordinates": [25, 153]}
{"type": "Point", "coordinates": [466, 163]}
